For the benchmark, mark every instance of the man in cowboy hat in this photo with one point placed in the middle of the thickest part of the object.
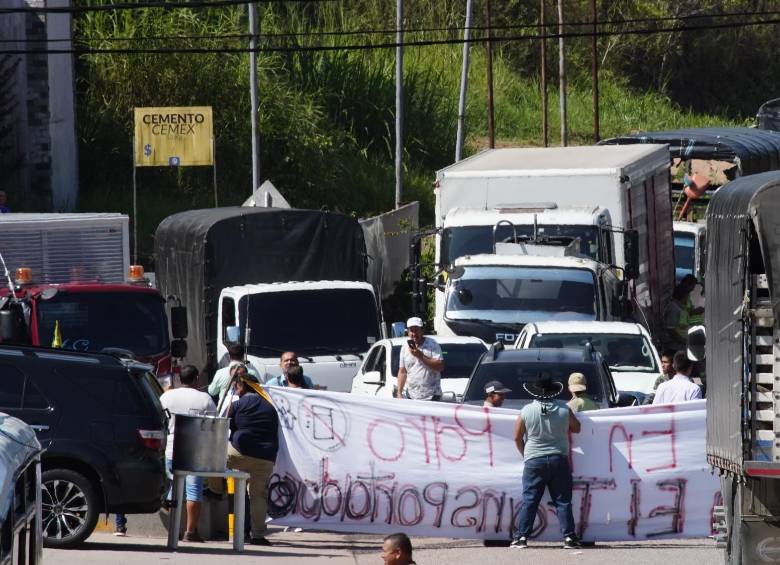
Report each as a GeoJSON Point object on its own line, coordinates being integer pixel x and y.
{"type": "Point", "coordinates": [542, 437]}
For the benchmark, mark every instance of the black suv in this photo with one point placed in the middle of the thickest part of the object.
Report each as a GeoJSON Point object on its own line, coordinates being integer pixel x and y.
{"type": "Point", "coordinates": [513, 367]}
{"type": "Point", "coordinates": [101, 424]}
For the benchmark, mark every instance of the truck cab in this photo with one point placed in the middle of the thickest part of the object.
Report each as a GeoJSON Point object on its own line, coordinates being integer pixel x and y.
{"type": "Point", "coordinates": [492, 296]}
{"type": "Point", "coordinates": [330, 325]}
{"type": "Point", "coordinates": [690, 245]}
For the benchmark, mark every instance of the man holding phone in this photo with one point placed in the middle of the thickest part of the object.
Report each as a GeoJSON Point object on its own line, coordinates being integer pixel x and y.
{"type": "Point", "coordinates": [421, 364]}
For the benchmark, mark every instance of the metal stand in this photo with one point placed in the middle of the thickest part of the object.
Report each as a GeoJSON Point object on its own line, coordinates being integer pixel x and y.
{"type": "Point", "coordinates": [174, 519]}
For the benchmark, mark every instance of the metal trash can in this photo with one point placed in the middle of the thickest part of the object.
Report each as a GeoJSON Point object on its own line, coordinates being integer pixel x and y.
{"type": "Point", "coordinates": [200, 443]}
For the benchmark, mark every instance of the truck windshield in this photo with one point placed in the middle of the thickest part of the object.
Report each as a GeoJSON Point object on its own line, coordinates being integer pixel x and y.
{"type": "Point", "coordinates": [622, 352]}
{"type": "Point", "coordinates": [310, 322]}
{"type": "Point", "coordinates": [522, 294]}
{"type": "Point", "coordinates": [92, 321]}
{"type": "Point", "coordinates": [684, 255]}
{"type": "Point", "coordinates": [471, 240]}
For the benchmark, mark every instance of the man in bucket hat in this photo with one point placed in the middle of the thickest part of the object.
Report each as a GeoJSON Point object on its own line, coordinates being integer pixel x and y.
{"type": "Point", "coordinates": [542, 437]}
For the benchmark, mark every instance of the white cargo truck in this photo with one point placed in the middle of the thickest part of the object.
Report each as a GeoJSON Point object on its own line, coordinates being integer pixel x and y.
{"type": "Point", "coordinates": [596, 194]}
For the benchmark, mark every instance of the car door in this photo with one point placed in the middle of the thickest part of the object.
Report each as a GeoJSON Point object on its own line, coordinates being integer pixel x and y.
{"type": "Point", "coordinates": [359, 385]}
{"type": "Point", "coordinates": [22, 398]}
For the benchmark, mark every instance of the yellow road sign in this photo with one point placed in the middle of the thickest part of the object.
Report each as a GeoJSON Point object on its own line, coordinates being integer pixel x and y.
{"type": "Point", "coordinates": [174, 136]}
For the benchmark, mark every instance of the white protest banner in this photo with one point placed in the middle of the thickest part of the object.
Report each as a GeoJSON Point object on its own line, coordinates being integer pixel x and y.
{"type": "Point", "coordinates": [358, 464]}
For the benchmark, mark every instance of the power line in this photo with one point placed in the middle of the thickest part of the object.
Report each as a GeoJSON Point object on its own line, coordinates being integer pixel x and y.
{"type": "Point", "coordinates": [160, 4]}
{"type": "Point", "coordinates": [340, 33]}
{"type": "Point", "coordinates": [385, 45]}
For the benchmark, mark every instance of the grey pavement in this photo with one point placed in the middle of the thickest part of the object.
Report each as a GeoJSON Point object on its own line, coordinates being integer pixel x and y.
{"type": "Point", "coordinates": [342, 549]}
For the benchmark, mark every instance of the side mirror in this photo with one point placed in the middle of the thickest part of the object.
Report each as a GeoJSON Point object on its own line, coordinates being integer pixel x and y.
{"type": "Point", "coordinates": [419, 296]}
{"type": "Point", "coordinates": [398, 329]}
{"type": "Point", "coordinates": [631, 253]}
{"type": "Point", "coordinates": [233, 334]}
{"type": "Point", "coordinates": [373, 378]}
{"type": "Point", "coordinates": [179, 348]}
{"type": "Point", "coordinates": [448, 396]}
{"type": "Point", "coordinates": [415, 250]}
{"type": "Point", "coordinates": [12, 324]}
{"type": "Point", "coordinates": [179, 322]}
{"type": "Point", "coordinates": [464, 296]}
{"type": "Point", "coordinates": [628, 399]}
{"type": "Point", "coordinates": [621, 304]}
{"type": "Point", "coordinates": [697, 341]}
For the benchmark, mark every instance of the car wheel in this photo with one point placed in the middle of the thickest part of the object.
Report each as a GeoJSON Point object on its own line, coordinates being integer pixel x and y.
{"type": "Point", "coordinates": [70, 508]}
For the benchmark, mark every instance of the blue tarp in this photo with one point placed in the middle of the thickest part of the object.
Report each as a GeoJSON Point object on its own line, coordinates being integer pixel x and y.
{"type": "Point", "coordinates": [753, 150]}
{"type": "Point", "coordinates": [18, 445]}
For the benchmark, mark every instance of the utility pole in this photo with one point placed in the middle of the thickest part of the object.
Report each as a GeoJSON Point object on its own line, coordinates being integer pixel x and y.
{"type": "Point", "coordinates": [488, 37]}
{"type": "Point", "coordinates": [562, 75]}
{"type": "Point", "coordinates": [464, 79]}
{"type": "Point", "coordinates": [595, 71]}
{"type": "Point", "coordinates": [543, 73]}
{"type": "Point", "coordinates": [252, 12]}
{"type": "Point", "coordinates": [399, 101]}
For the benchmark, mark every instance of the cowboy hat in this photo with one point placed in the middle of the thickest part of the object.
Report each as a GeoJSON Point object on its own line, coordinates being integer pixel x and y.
{"type": "Point", "coordinates": [543, 386]}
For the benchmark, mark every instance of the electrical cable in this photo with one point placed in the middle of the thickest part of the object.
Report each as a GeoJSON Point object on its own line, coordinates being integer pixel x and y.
{"type": "Point", "coordinates": [385, 45]}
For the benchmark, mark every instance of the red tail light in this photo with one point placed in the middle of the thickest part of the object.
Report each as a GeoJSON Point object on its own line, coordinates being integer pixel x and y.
{"type": "Point", "coordinates": [152, 439]}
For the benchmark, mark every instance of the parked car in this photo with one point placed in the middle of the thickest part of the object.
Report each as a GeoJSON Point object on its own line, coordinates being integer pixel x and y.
{"type": "Point", "coordinates": [628, 348]}
{"type": "Point", "coordinates": [103, 428]}
{"type": "Point", "coordinates": [513, 367]}
{"type": "Point", "coordinates": [377, 377]}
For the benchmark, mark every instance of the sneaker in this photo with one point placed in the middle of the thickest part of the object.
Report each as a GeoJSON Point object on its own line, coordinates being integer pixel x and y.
{"type": "Point", "coordinates": [120, 531]}
{"type": "Point", "coordinates": [571, 542]}
{"type": "Point", "coordinates": [259, 540]}
{"type": "Point", "coordinates": [519, 543]}
{"type": "Point", "coordinates": [193, 536]}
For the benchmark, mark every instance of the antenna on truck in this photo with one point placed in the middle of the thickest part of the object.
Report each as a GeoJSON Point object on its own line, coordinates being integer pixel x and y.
{"type": "Point", "coordinates": [12, 295]}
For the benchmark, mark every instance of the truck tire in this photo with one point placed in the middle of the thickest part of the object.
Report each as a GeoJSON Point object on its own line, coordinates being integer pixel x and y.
{"type": "Point", "coordinates": [70, 508]}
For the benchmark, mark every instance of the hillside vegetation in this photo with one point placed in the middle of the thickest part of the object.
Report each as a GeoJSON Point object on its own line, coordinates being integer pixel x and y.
{"type": "Point", "coordinates": [327, 117]}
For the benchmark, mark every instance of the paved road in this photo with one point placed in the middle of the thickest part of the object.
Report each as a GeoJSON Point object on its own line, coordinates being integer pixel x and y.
{"type": "Point", "coordinates": [339, 549]}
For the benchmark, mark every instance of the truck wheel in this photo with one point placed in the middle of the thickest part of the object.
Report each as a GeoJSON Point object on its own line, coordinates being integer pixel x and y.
{"type": "Point", "coordinates": [70, 508]}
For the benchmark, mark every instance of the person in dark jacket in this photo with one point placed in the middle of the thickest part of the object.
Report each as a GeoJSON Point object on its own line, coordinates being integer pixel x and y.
{"type": "Point", "coordinates": [254, 442]}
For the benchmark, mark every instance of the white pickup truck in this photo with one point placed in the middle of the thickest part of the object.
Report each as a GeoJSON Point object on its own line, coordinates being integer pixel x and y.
{"type": "Point", "coordinates": [627, 348]}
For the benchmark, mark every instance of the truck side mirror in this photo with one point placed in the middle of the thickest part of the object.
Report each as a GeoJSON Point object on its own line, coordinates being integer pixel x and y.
{"type": "Point", "coordinates": [419, 296]}
{"type": "Point", "coordinates": [697, 340]}
{"type": "Point", "coordinates": [621, 305]}
{"type": "Point", "coordinates": [8, 327]}
{"type": "Point", "coordinates": [179, 322]}
{"type": "Point", "coordinates": [415, 250]}
{"type": "Point", "coordinates": [631, 254]}
{"type": "Point", "coordinates": [233, 334]}
{"type": "Point", "coordinates": [178, 348]}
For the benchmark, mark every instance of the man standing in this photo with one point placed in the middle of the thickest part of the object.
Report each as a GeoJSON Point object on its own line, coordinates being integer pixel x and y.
{"type": "Point", "coordinates": [580, 400]}
{"type": "Point", "coordinates": [221, 381]}
{"type": "Point", "coordinates": [187, 401]}
{"type": "Point", "coordinates": [495, 393]}
{"type": "Point", "coordinates": [667, 372]}
{"type": "Point", "coordinates": [676, 321]}
{"type": "Point", "coordinates": [679, 388]}
{"type": "Point", "coordinates": [289, 362]}
{"type": "Point", "coordinates": [421, 364]}
{"type": "Point", "coordinates": [542, 438]}
{"type": "Point", "coordinates": [254, 442]}
{"type": "Point", "coordinates": [397, 550]}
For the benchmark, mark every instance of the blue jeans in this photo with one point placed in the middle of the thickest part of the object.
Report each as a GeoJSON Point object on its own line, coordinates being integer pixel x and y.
{"type": "Point", "coordinates": [552, 472]}
{"type": "Point", "coordinates": [120, 521]}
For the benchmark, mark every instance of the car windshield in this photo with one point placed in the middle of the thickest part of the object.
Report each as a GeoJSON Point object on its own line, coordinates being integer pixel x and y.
{"type": "Point", "coordinates": [459, 359]}
{"type": "Point", "coordinates": [459, 241]}
{"type": "Point", "coordinates": [513, 374]}
{"type": "Point", "coordinates": [310, 322]}
{"type": "Point", "coordinates": [92, 321]}
{"type": "Point", "coordinates": [684, 254]}
{"type": "Point", "coordinates": [622, 352]}
{"type": "Point", "coordinates": [506, 294]}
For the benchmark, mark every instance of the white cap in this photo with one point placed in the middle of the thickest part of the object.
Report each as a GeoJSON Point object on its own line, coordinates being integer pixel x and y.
{"type": "Point", "coordinates": [413, 322]}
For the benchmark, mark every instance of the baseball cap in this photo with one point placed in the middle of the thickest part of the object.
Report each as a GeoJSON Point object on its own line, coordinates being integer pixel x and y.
{"type": "Point", "coordinates": [578, 382]}
{"type": "Point", "coordinates": [496, 386]}
{"type": "Point", "coordinates": [414, 322]}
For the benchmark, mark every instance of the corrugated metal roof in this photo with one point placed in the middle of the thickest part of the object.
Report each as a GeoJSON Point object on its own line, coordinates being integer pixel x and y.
{"type": "Point", "coordinates": [754, 150]}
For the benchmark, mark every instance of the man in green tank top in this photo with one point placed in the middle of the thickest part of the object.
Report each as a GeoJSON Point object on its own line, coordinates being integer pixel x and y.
{"type": "Point", "coordinates": [542, 437]}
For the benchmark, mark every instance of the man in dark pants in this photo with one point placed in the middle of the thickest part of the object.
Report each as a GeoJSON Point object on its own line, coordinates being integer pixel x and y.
{"type": "Point", "coordinates": [542, 437]}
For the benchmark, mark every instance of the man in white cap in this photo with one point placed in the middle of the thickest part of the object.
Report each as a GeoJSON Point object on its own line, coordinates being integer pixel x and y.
{"type": "Point", "coordinates": [421, 364]}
